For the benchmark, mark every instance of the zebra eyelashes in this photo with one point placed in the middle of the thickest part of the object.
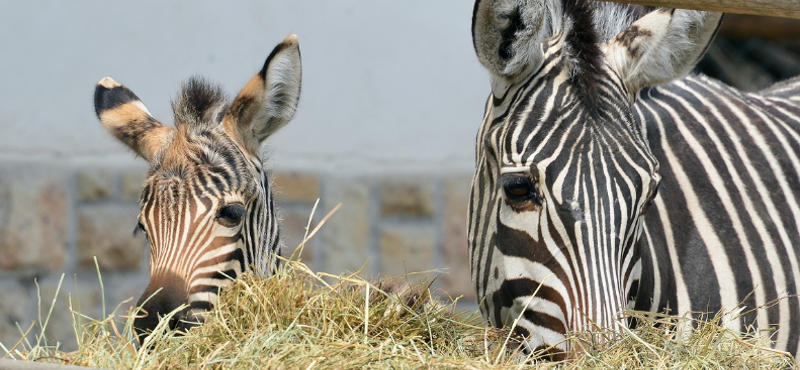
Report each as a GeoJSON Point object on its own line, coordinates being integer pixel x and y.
{"type": "Point", "coordinates": [519, 188]}
{"type": "Point", "coordinates": [231, 214]}
{"type": "Point", "coordinates": [139, 229]}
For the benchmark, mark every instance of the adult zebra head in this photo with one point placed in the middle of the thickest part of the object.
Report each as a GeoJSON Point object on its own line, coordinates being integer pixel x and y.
{"type": "Point", "coordinates": [564, 173]}
{"type": "Point", "coordinates": [206, 206]}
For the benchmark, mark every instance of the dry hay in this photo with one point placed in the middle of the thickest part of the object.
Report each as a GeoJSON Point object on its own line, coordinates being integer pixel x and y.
{"type": "Point", "coordinates": [305, 320]}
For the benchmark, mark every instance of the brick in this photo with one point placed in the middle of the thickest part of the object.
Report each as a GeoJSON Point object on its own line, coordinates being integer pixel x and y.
{"type": "Point", "coordinates": [406, 199]}
{"type": "Point", "coordinates": [94, 184]}
{"type": "Point", "coordinates": [105, 231]}
{"type": "Point", "coordinates": [33, 217]}
{"type": "Point", "coordinates": [345, 237]}
{"type": "Point", "coordinates": [296, 187]}
{"type": "Point", "coordinates": [132, 183]}
{"type": "Point", "coordinates": [15, 307]}
{"type": "Point", "coordinates": [293, 229]}
{"type": "Point", "coordinates": [406, 249]}
{"type": "Point", "coordinates": [455, 254]}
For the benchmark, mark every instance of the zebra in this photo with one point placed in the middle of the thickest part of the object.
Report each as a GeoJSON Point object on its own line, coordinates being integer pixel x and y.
{"type": "Point", "coordinates": [591, 112]}
{"type": "Point", "coordinates": [207, 206]}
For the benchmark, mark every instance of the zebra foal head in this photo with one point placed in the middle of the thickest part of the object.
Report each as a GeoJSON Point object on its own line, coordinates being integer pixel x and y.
{"type": "Point", "coordinates": [564, 172]}
{"type": "Point", "coordinates": [206, 207]}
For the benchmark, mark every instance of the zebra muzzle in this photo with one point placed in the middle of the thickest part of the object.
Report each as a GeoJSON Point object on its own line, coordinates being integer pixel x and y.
{"type": "Point", "coordinates": [163, 305]}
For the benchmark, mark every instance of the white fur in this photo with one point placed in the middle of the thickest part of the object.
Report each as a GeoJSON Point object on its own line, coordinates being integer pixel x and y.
{"type": "Point", "coordinates": [108, 83]}
{"type": "Point", "coordinates": [667, 47]}
{"type": "Point", "coordinates": [141, 106]}
{"type": "Point", "coordinates": [284, 75]}
{"type": "Point", "coordinates": [541, 18]}
{"type": "Point", "coordinates": [675, 42]}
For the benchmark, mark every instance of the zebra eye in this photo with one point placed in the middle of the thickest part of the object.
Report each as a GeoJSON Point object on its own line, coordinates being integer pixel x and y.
{"type": "Point", "coordinates": [139, 229]}
{"type": "Point", "coordinates": [231, 214]}
{"type": "Point", "coordinates": [518, 187]}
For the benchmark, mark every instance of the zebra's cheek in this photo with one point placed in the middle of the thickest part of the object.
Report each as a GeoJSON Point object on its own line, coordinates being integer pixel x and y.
{"type": "Point", "coordinates": [520, 221]}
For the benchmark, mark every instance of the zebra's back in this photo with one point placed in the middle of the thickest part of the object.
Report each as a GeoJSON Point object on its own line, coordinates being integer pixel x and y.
{"type": "Point", "coordinates": [725, 229]}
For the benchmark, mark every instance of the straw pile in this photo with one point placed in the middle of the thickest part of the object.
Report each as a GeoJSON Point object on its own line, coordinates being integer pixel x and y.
{"type": "Point", "coordinates": [305, 320]}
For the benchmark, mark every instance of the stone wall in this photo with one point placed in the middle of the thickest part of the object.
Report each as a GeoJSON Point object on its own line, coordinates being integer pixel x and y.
{"type": "Point", "coordinates": [56, 219]}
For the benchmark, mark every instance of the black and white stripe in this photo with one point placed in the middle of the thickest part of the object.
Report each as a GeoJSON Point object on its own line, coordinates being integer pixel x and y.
{"type": "Point", "coordinates": [725, 224]}
{"type": "Point", "coordinates": [574, 144]}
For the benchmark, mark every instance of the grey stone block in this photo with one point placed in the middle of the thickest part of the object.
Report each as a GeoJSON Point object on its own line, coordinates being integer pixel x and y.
{"type": "Point", "coordinates": [346, 235]}
{"type": "Point", "coordinates": [406, 198]}
{"type": "Point", "coordinates": [94, 184]}
{"type": "Point", "coordinates": [296, 187]}
{"type": "Point", "coordinates": [293, 229]}
{"type": "Point", "coordinates": [34, 208]}
{"type": "Point", "coordinates": [455, 254]}
{"type": "Point", "coordinates": [14, 309]}
{"type": "Point", "coordinates": [407, 249]}
{"type": "Point", "coordinates": [106, 231]}
{"type": "Point", "coordinates": [131, 183]}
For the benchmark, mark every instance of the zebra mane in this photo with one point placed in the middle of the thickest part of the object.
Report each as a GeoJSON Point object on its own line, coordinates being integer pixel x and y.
{"type": "Point", "coordinates": [199, 102]}
{"type": "Point", "coordinates": [585, 26]}
{"type": "Point", "coordinates": [605, 19]}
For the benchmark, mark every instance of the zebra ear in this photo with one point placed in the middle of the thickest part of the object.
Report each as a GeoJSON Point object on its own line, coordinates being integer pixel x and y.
{"type": "Point", "coordinates": [125, 116]}
{"type": "Point", "coordinates": [662, 46]}
{"type": "Point", "coordinates": [269, 101]}
{"type": "Point", "coordinates": [508, 34]}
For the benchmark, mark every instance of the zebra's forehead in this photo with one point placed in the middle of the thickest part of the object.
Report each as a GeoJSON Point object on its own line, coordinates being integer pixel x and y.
{"type": "Point", "coordinates": [197, 193]}
{"type": "Point", "coordinates": [198, 145]}
{"type": "Point", "coordinates": [206, 160]}
{"type": "Point", "coordinates": [548, 122]}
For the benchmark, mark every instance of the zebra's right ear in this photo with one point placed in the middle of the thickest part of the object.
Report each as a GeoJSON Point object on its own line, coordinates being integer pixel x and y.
{"type": "Point", "coordinates": [508, 34]}
{"type": "Point", "coordinates": [124, 116]}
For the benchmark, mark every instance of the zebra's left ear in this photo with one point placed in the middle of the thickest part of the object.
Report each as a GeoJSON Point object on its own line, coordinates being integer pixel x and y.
{"type": "Point", "coordinates": [661, 46]}
{"type": "Point", "coordinates": [269, 101]}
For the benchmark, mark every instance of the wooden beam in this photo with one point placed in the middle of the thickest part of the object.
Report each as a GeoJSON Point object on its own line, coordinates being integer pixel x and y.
{"type": "Point", "coordinates": [771, 8]}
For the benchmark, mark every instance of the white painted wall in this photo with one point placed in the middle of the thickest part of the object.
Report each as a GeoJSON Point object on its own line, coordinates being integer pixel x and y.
{"type": "Point", "coordinates": [388, 86]}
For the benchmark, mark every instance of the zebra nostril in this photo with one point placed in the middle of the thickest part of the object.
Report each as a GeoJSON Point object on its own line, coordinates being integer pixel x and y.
{"type": "Point", "coordinates": [193, 317]}
{"type": "Point", "coordinates": [165, 294]}
{"type": "Point", "coordinates": [146, 323]}
{"type": "Point", "coordinates": [187, 323]}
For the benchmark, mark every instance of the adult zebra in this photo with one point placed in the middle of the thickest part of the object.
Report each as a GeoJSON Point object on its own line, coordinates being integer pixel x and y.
{"type": "Point", "coordinates": [576, 137]}
{"type": "Point", "coordinates": [206, 206]}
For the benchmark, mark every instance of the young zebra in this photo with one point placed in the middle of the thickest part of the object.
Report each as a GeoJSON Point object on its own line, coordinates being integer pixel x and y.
{"type": "Point", "coordinates": [206, 207]}
{"type": "Point", "coordinates": [576, 138]}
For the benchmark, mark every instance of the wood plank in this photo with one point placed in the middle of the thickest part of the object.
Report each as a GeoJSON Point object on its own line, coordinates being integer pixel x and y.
{"type": "Point", "coordinates": [771, 8]}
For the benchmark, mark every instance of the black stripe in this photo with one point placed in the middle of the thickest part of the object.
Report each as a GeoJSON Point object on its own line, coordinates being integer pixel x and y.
{"type": "Point", "coordinates": [106, 99]}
